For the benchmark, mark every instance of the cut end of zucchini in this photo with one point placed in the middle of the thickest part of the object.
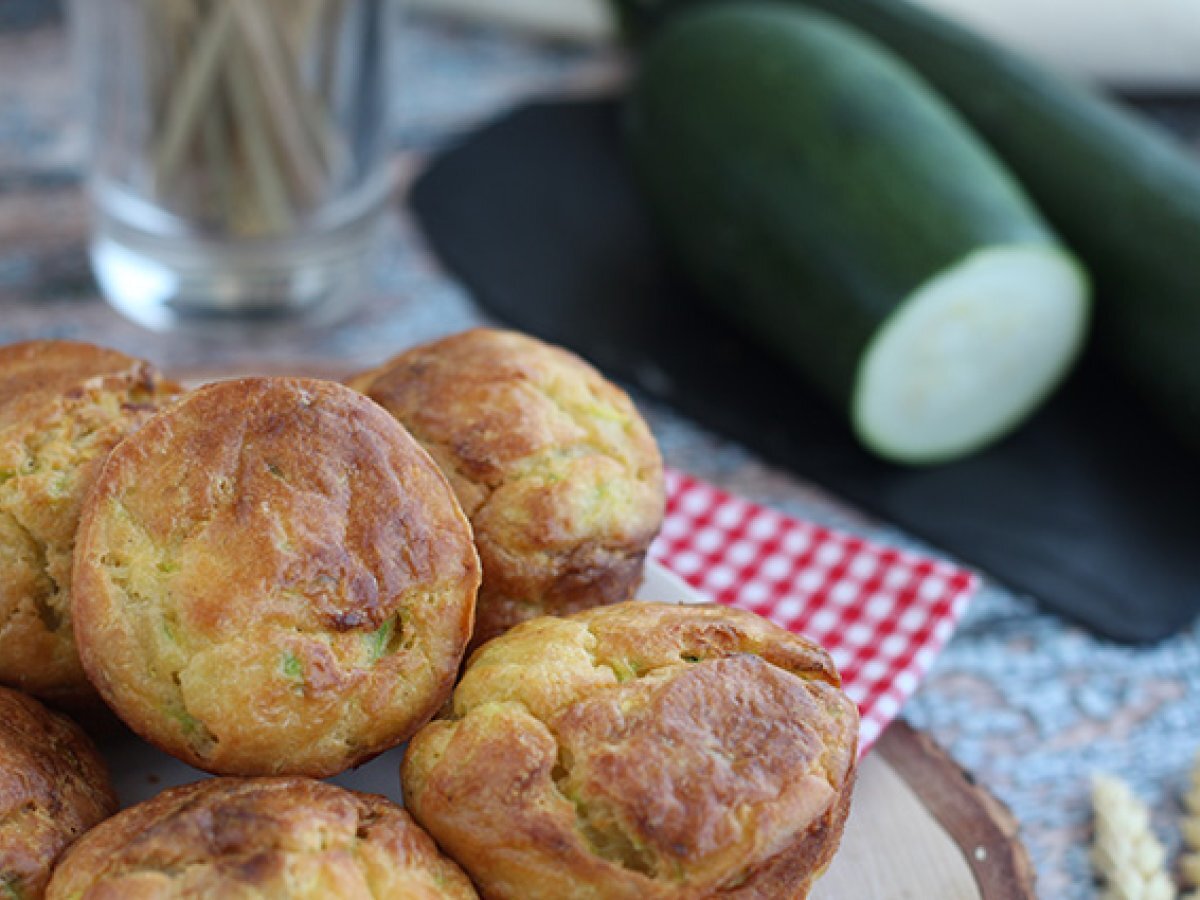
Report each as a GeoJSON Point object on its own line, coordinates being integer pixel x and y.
{"type": "Point", "coordinates": [970, 354]}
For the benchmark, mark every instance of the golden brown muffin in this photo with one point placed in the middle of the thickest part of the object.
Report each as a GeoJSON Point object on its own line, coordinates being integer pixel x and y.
{"type": "Point", "coordinates": [641, 751]}
{"type": "Point", "coordinates": [53, 787]}
{"type": "Point", "coordinates": [63, 407]}
{"type": "Point", "coordinates": [557, 471]}
{"type": "Point", "coordinates": [272, 577]}
{"type": "Point", "coordinates": [259, 837]}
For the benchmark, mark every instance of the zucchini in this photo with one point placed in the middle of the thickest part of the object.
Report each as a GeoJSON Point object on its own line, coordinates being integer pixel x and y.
{"type": "Point", "coordinates": [1120, 191]}
{"type": "Point", "coordinates": [818, 192]}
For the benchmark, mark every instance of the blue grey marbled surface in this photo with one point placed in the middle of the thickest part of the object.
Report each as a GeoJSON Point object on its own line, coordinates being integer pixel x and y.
{"type": "Point", "coordinates": [1032, 706]}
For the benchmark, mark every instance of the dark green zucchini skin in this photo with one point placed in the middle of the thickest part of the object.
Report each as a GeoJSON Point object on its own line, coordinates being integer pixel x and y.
{"type": "Point", "coordinates": [808, 181]}
{"type": "Point", "coordinates": [1121, 192]}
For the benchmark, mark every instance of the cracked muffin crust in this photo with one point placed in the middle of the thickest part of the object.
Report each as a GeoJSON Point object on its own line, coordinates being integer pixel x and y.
{"type": "Point", "coordinates": [53, 787]}
{"type": "Point", "coordinates": [642, 751]}
{"type": "Point", "coordinates": [273, 578]}
{"type": "Point", "coordinates": [559, 474]}
{"type": "Point", "coordinates": [63, 407]}
{"type": "Point", "coordinates": [259, 837]}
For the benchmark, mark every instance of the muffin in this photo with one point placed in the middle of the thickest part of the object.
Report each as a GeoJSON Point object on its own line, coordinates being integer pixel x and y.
{"type": "Point", "coordinates": [641, 751]}
{"type": "Point", "coordinates": [63, 407]}
{"type": "Point", "coordinates": [273, 578]}
{"type": "Point", "coordinates": [557, 471]}
{"type": "Point", "coordinates": [259, 837]}
{"type": "Point", "coordinates": [53, 788]}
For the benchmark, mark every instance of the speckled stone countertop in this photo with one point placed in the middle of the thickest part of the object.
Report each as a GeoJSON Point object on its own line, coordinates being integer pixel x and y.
{"type": "Point", "coordinates": [1029, 704]}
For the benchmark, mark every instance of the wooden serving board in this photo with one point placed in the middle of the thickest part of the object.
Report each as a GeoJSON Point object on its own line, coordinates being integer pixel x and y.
{"type": "Point", "coordinates": [919, 827]}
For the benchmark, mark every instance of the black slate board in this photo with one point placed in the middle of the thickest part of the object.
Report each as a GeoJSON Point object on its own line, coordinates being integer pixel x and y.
{"type": "Point", "coordinates": [1091, 508]}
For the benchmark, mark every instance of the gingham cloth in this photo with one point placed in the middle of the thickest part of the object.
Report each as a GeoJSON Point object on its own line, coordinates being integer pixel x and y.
{"type": "Point", "coordinates": [882, 613]}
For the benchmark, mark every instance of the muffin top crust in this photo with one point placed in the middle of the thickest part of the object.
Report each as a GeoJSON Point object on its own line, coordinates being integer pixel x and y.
{"type": "Point", "coordinates": [558, 472]}
{"type": "Point", "coordinates": [259, 837]}
{"type": "Point", "coordinates": [53, 787]}
{"type": "Point", "coordinates": [63, 407]}
{"type": "Point", "coordinates": [643, 750]}
{"type": "Point", "coordinates": [273, 578]}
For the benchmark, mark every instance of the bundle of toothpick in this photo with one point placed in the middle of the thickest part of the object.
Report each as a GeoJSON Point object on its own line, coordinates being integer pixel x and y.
{"type": "Point", "coordinates": [244, 136]}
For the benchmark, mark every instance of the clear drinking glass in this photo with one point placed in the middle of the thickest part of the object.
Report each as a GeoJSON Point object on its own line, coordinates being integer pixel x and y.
{"type": "Point", "coordinates": [239, 153]}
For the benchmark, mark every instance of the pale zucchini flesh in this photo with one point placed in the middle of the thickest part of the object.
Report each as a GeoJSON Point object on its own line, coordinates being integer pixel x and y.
{"type": "Point", "coordinates": [970, 353]}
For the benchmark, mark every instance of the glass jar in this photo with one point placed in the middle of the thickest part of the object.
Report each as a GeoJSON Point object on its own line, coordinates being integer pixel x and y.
{"type": "Point", "coordinates": [239, 152]}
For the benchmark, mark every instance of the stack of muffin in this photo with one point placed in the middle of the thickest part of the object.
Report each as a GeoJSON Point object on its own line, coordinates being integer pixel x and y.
{"type": "Point", "coordinates": [276, 579]}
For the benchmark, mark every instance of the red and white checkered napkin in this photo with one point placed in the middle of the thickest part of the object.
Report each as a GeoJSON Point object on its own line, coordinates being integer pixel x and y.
{"type": "Point", "coordinates": [882, 613]}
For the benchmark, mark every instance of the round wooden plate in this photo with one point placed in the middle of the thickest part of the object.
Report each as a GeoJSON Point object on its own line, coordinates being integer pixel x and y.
{"type": "Point", "coordinates": [921, 828]}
